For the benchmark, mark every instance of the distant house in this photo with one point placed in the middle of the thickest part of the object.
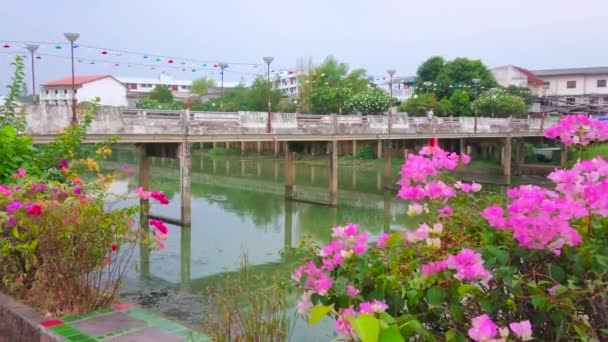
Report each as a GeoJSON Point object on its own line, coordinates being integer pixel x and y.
{"type": "Point", "coordinates": [59, 92]}
{"type": "Point", "coordinates": [403, 86]}
{"type": "Point", "coordinates": [139, 87]}
{"type": "Point", "coordinates": [511, 75]}
{"type": "Point", "coordinates": [576, 86]}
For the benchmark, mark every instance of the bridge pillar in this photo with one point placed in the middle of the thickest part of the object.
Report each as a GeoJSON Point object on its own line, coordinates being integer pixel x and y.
{"type": "Point", "coordinates": [277, 147]}
{"type": "Point", "coordinates": [506, 156]}
{"type": "Point", "coordinates": [288, 225]}
{"type": "Point", "coordinates": [289, 171]}
{"type": "Point", "coordinates": [354, 148]}
{"type": "Point", "coordinates": [333, 173]}
{"type": "Point", "coordinates": [214, 144]}
{"type": "Point", "coordinates": [243, 148]}
{"type": "Point", "coordinates": [519, 156]}
{"type": "Point", "coordinates": [259, 147]}
{"type": "Point", "coordinates": [185, 254]}
{"type": "Point", "coordinates": [276, 170]}
{"type": "Point", "coordinates": [242, 167]}
{"type": "Point", "coordinates": [227, 145]}
{"type": "Point", "coordinates": [563, 162]}
{"type": "Point", "coordinates": [379, 150]}
{"type": "Point", "coordinates": [185, 165]}
{"type": "Point", "coordinates": [144, 182]}
{"type": "Point", "coordinates": [259, 168]}
{"type": "Point", "coordinates": [388, 169]}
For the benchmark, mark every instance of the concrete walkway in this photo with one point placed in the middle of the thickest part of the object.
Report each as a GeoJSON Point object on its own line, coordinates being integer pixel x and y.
{"type": "Point", "coordinates": [121, 323]}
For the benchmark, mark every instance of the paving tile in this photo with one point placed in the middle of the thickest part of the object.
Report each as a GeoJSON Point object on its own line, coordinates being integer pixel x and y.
{"type": "Point", "coordinates": [105, 324]}
{"type": "Point", "coordinates": [65, 330]}
{"type": "Point", "coordinates": [150, 334]}
{"type": "Point", "coordinates": [79, 338]}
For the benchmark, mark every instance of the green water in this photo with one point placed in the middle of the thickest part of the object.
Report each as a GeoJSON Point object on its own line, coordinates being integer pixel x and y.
{"type": "Point", "coordinates": [238, 207]}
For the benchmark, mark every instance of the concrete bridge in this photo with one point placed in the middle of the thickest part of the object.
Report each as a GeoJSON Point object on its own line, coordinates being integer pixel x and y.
{"type": "Point", "coordinates": [156, 132]}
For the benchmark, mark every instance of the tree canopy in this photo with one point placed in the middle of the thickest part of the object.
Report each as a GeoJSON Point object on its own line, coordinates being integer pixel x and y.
{"type": "Point", "coordinates": [500, 104]}
{"type": "Point", "coordinates": [429, 70]}
{"type": "Point", "coordinates": [373, 101]}
{"type": "Point", "coordinates": [200, 86]}
{"type": "Point", "coordinates": [161, 94]}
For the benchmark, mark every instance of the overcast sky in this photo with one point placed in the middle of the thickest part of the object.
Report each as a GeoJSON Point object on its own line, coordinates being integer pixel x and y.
{"type": "Point", "coordinates": [375, 34]}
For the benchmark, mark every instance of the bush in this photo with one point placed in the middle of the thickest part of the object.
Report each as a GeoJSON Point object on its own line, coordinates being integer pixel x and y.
{"type": "Point", "coordinates": [374, 101]}
{"type": "Point", "coordinates": [499, 104]}
{"type": "Point", "coordinates": [365, 152]}
{"type": "Point", "coordinates": [161, 94]}
{"type": "Point", "coordinates": [478, 264]}
{"type": "Point", "coordinates": [418, 104]}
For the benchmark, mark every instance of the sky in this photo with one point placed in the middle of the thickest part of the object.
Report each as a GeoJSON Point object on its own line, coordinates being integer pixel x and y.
{"type": "Point", "coordinates": [376, 35]}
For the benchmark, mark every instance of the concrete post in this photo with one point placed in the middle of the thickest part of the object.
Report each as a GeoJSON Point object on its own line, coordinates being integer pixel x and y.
{"type": "Point", "coordinates": [185, 251]}
{"type": "Point", "coordinates": [388, 169]}
{"type": "Point", "coordinates": [185, 165]}
{"type": "Point", "coordinates": [507, 158]}
{"type": "Point", "coordinates": [259, 147]}
{"type": "Point", "coordinates": [277, 148]}
{"type": "Point", "coordinates": [333, 173]}
{"type": "Point", "coordinates": [354, 148]}
{"type": "Point", "coordinates": [276, 170]}
{"type": "Point", "coordinates": [288, 225]}
{"type": "Point", "coordinates": [144, 210]}
{"type": "Point", "coordinates": [259, 168]}
{"type": "Point", "coordinates": [289, 171]}
{"type": "Point", "coordinates": [227, 145]}
{"type": "Point", "coordinates": [564, 157]}
{"type": "Point", "coordinates": [379, 150]}
{"type": "Point", "coordinates": [214, 166]}
{"type": "Point", "coordinates": [214, 144]}
{"type": "Point", "coordinates": [243, 148]}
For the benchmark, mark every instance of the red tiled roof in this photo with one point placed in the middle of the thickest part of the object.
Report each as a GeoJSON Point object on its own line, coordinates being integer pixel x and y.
{"type": "Point", "coordinates": [78, 80]}
{"type": "Point", "coordinates": [532, 79]}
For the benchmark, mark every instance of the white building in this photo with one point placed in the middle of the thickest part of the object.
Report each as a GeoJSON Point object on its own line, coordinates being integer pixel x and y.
{"type": "Point", "coordinates": [511, 75]}
{"type": "Point", "coordinates": [59, 92]}
{"type": "Point", "coordinates": [287, 83]}
{"type": "Point", "coordinates": [578, 86]}
{"type": "Point", "coordinates": [138, 87]}
{"type": "Point", "coordinates": [403, 87]}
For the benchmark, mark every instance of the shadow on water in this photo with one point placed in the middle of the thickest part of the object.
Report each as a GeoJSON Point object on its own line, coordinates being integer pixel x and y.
{"type": "Point", "coordinates": [238, 207]}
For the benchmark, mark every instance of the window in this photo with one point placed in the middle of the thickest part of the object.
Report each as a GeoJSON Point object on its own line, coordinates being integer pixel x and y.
{"type": "Point", "coordinates": [56, 91]}
{"type": "Point", "coordinates": [605, 99]}
{"type": "Point", "coordinates": [571, 84]}
{"type": "Point", "coordinates": [47, 91]}
{"type": "Point", "coordinates": [570, 100]}
{"type": "Point", "coordinates": [593, 100]}
{"type": "Point", "coordinates": [133, 86]}
{"type": "Point", "coordinates": [546, 83]}
{"type": "Point", "coordinates": [601, 83]}
{"type": "Point", "coordinates": [184, 87]}
{"type": "Point", "coordinates": [174, 88]}
{"type": "Point", "coordinates": [65, 91]}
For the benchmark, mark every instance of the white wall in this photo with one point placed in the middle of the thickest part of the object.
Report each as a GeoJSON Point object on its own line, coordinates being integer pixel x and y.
{"type": "Point", "coordinates": [585, 85]}
{"type": "Point", "coordinates": [110, 91]}
{"type": "Point", "coordinates": [509, 76]}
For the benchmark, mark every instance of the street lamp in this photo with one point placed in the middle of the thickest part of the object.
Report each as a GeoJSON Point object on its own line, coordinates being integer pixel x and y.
{"type": "Point", "coordinates": [476, 82]}
{"type": "Point", "coordinates": [71, 37]}
{"type": "Point", "coordinates": [32, 48]}
{"type": "Point", "coordinates": [268, 60]}
{"type": "Point", "coordinates": [390, 72]}
{"type": "Point", "coordinates": [222, 67]}
{"type": "Point", "coordinates": [427, 84]}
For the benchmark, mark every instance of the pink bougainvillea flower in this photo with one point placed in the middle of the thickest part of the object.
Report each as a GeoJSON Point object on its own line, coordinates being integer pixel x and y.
{"type": "Point", "coordinates": [434, 267]}
{"type": "Point", "coordinates": [19, 280]}
{"type": "Point", "coordinates": [446, 211]}
{"type": "Point", "coordinates": [553, 288]}
{"type": "Point", "coordinates": [465, 158]}
{"type": "Point", "coordinates": [13, 206]}
{"type": "Point", "coordinates": [352, 291]}
{"type": "Point", "coordinates": [414, 209]}
{"type": "Point", "coordinates": [160, 197]}
{"type": "Point", "coordinates": [143, 194]}
{"type": "Point", "coordinates": [578, 130]}
{"type": "Point", "coordinates": [381, 242]}
{"type": "Point", "coordinates": [483, 329]}
{"type": "Point", "coordinates": [468, 265]}
{"type": "Point", "coordinates": [77, 191]}
{"type": "Point", "coordinates": [114, 247]}
{"type": "Point", "coordinates": [34, 210]}
{"type": "Point", "coordinates": [160, 225]}
{"type": "Point", "coordinates": [522, 329]}
{"type": "Point", "coordinates": [128, 169]}
{"type": "Point", "coordinates": [304, 303]}
{"type": "Point", "coordinates": [20, 173]}
{"type": "Point", "coordinates": [375, 306]}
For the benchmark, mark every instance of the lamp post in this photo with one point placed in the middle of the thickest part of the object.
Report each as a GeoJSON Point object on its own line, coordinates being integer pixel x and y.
{"type": "Point", "coordinates": [71, 37]}
{"type": "Point", "coordinates": [32, 48]}
{"type": "Point", "coordinates": [427, 84]}
{"type": "Point", "coordinates": [222, 67]}
{"type": "Point", "coordinates": [476, 82]}
{"type": "Point", "coordinates": [390, 72]}
{"type": "Point", "coordinates": [268, 60]}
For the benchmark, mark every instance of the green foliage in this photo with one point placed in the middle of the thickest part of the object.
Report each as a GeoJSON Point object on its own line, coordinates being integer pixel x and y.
{"type": "Point", "coordinates": [500, 104]}
{"type": "Point", "coordinates": [8, 114]}
{"type": "Point", "coordinates": [374, 101]}
{"type": "Point", "coordinates": [365, 152]}
{"type": "Point", "coordinates": [523, 92]}
{"type": "Point", "coordinates": [201, 86]}
{"type": "Point", "coordinates": [16, 151]}
{"type": "Point", "coordinates": [257, 96]}
{"type": "Point", "coordinates": [149, 103]}
{"type": "Point", "coordinates": [331, 85]}
{"type": "Point", "coordinates": [161, 94]}
{"type": "Point", "coordinates": [430, 69]}
{"type": "Point", "coordinates": [443, 107]}
{"type": "Point", "coordinates": [287, 105]}
{"type": "Point", "coordinates": [461, 103]}
{"type": "Point", "coordinates": [418, 104]}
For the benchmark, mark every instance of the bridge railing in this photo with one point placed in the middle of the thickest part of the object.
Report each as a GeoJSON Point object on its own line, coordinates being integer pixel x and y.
{"type": "Point", "coordinates": [112, 120]}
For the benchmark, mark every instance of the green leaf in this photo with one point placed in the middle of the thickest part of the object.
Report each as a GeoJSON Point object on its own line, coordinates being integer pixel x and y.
{"type": "Point", "coordinates": [557, 273]}
{"type": "Point", "coordinates": [468, 288]}
{"type": "Point", "coordinates": [367, 328]}
{"type": "Point", "coordinates": [318, 312]}
{"type": "Point", "coordinates": [395, 240]}
{"type": "Point", "coordinates": [435, 296]}
{"type": "Point", "coordinates": [390, 335]}
{"type": "Point", "coordinates": [502, 256]}
{"type": "Point", "coordinates": [456, 311]}
{"type": "Point", "coordinates": [454, 336]}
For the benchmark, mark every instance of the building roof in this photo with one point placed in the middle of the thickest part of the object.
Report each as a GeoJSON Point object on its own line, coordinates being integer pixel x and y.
{"type": "Point", "coordinates": [572, 71]}
{"type": "Point", "coordinates": [532, 79]}
{"type": "Point", "coordinates": [78, 81]}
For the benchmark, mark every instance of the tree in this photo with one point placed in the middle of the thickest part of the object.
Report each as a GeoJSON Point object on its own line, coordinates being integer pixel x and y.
{"type": "Point", "coordinates": [419, 104]}
{"type": "Point", "coordinates": [257, 96]}
{"type": "Point", "coordinates": [372, 102]}
{"type": "Point", "coordinates": [161, 94]}
{"type": "Point", "coordinates": [330, 85]}
{"type": "Point", "coordinates": [461, 103]}
{"type": "Point", "coordinates": [443, 107]}
{"type": "Point", "coordinates": [200, 86]}
{"type": "Point", "coordinates": [429, 70]}
{"type": "Point", "coordinates": [499, 104]}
